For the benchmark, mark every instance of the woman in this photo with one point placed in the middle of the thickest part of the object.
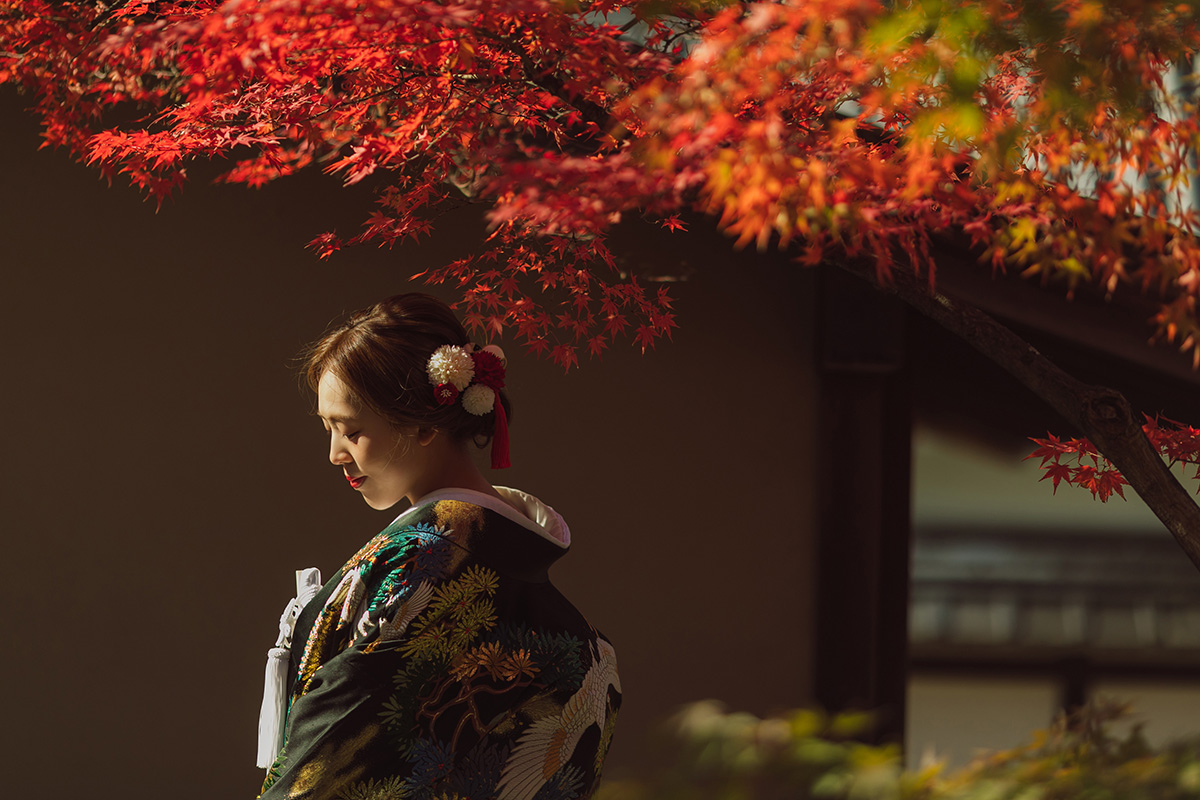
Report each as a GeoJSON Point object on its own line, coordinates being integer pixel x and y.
{"type": "Point", "coordinates": [439, 661]}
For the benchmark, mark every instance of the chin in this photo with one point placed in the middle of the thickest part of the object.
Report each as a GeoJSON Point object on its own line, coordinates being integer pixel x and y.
{"type": "Point", "coordinates": [381, 505]}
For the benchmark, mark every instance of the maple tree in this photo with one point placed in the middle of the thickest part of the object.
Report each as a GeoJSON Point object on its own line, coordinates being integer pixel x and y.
{"type": "Point", "coordinates": [1067, 460]}
{"type": "Point", "coordinates": [1039, 137]}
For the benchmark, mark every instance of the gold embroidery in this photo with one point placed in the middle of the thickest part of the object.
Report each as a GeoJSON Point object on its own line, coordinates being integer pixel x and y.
{"type": "Point", "coordinates": [316, 650]}
{"type": "Point", "coordinates": [460, 518]}
{"type": "Point", "coordinates": [335, 765]}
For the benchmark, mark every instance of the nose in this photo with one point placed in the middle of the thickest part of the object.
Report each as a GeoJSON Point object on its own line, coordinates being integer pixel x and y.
{"type": "Point", "coordinates": [337, 450]}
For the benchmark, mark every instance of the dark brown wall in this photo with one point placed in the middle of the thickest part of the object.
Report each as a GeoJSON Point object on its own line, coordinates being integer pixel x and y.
{"type": "Point", "coordinates": [163, 476]}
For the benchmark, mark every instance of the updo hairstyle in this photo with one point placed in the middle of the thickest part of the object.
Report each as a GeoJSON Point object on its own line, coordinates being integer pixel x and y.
{"type": "Point", "coordinates": [380, 354]}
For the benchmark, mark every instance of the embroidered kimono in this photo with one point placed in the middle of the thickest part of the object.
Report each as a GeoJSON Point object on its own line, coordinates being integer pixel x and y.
{"type": "Point", "coordinates": [441, 663]}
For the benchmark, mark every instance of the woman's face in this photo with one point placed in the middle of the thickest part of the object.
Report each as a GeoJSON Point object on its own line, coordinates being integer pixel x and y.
{"type": "Point", "coordinates": [379, 462]}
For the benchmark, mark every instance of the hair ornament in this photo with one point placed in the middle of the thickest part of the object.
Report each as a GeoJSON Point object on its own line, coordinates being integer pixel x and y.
{"type": "Point", "coordinates": [452, 365]}
{"type": "Point", "coordinates": [446, 393]}
{"type": "Point", "coordinates": [479, 399]}
{"type": "Point", "coordinates": [477, 376]}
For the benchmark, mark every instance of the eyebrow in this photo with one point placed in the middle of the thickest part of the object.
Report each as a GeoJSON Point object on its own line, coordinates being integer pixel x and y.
{"type": "Point", "coordinates": [337, 419]}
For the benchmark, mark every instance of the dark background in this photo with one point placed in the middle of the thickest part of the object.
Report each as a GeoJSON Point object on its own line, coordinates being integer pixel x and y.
{"type": "Point", "coordinates": [163, 474]}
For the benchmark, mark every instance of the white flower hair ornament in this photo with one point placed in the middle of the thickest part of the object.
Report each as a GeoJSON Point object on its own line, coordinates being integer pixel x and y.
{"type": "Point", "coordinates": [479, 399]}
{"type": "Point", "coordinates": [477, 375]}
{"type": "Point", "coordinates": [453, 365]}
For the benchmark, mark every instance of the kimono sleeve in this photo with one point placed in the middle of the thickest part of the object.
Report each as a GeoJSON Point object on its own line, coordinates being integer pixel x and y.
{"type": "Point", "coordinates": [337, 744]}
{"type": "Point", "coordinates": [334, 716]}
{"type": "Point", "coordinates": [490, 723]}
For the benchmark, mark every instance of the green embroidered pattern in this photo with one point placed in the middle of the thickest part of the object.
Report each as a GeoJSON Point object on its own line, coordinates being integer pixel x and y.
{"type": "Point", "coordinates": [390, 788]}
{"type": "Point", "coordinates": [460, 611]}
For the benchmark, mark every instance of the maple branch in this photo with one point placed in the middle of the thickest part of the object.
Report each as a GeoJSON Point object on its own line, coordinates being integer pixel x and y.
{"type": "Point", "coordinates": [546, 80]}
{"type": "Point", "coordinates": [513, 48]}
{"type": "Point", "coordinates": [1102, 414]}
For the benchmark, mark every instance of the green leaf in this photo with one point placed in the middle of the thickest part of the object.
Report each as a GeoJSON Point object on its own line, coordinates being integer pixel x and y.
{"type": "Point", "coordinates": [895, 30]}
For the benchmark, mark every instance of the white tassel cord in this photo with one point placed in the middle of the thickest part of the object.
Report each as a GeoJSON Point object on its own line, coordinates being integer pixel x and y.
{"type": "Point", "coordinates": [270, 716]}
{"type": "Point", "coordinates": [273, 711]}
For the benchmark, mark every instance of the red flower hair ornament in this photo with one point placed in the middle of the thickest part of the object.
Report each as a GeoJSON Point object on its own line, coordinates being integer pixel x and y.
{"type": "Point", "coordinates": [475, 375]}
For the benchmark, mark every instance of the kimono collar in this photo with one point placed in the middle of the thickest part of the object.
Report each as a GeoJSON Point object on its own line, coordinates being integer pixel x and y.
{"type": "Point", "coordinates": [517, 506]}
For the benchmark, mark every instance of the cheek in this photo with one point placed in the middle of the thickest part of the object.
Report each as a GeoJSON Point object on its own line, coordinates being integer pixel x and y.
{"type": "Point", "coordinates": [371, 453]}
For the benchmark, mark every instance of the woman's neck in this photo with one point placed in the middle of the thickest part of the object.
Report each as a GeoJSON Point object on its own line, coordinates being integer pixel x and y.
{"type": "Point", "coordinates": [450, 466]}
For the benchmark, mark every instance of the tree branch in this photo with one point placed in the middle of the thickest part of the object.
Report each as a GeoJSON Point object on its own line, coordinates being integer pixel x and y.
{"type": "Point", "coordinates": [1101, 414]}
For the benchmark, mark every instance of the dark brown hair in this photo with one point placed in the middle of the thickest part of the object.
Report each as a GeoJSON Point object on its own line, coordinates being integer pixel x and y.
{"type": "Point", "coordinates": [381, 353]}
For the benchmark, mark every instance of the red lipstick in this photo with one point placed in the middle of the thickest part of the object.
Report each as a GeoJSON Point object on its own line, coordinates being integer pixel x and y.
{"type": "Point", "coordinates": [356, 482]}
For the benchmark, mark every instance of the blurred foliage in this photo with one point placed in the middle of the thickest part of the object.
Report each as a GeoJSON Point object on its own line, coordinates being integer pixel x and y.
{"type": "Point", "coordinates": [714, 754]}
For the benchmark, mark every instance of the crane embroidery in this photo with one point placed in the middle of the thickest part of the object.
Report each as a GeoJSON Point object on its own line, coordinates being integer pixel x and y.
{"type": "Point", "coordinates": [549, 742]}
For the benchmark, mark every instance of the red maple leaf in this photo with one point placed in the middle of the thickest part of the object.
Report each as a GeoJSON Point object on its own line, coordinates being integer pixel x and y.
{"type": "Point", "coordinates": [1057, 473]}
{"type": "Point", "coordinates": [673, 223]}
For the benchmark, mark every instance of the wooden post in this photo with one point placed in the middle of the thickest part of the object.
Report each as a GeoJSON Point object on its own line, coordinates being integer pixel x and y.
{"type": "Point", "coordinates": [863, 515]}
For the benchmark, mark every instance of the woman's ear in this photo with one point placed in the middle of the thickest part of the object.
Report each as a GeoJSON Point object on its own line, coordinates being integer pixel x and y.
{"type": "Point", "coordinates": [426, 435]}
